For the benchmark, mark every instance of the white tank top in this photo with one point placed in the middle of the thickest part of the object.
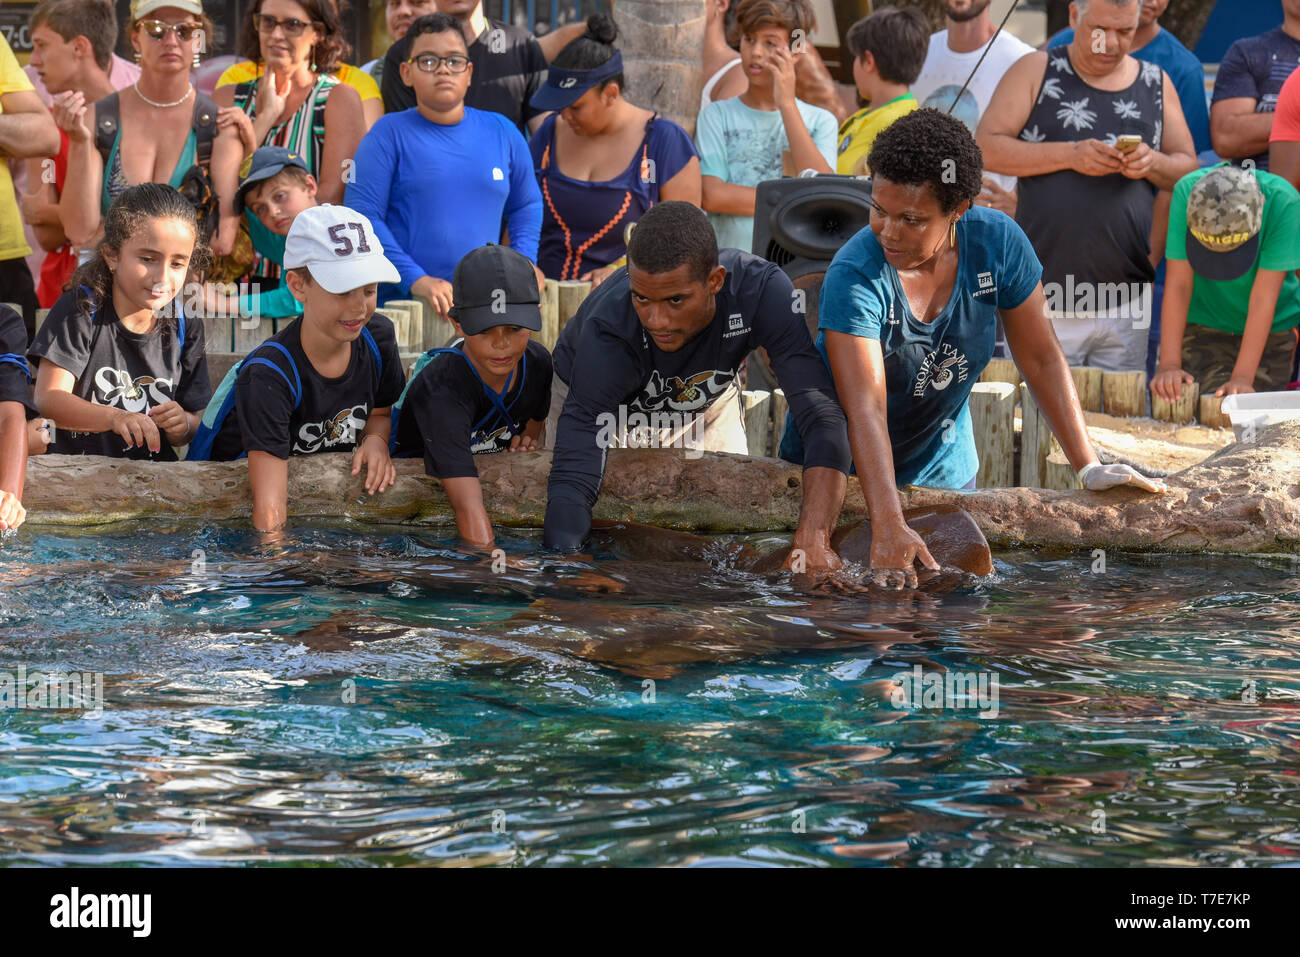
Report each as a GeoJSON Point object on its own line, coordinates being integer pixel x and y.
{"type": "Point", "coordinates": [706, 96]}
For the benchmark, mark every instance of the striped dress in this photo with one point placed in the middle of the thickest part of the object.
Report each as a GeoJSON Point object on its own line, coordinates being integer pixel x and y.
{"type": "Point", "coordinates": [303, 132]}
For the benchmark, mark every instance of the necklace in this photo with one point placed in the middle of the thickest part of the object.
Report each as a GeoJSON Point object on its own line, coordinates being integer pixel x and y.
{"type": "Point", "coordinates": [161, 106]}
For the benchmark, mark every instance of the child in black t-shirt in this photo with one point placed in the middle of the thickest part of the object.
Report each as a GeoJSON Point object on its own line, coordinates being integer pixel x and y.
{"type": "Point", "coordinates": [15, 410]}
{"type": "Point", "coordinates": [491, 393]}
{"type": "Point", "coordinates": [326, 381]}
{"type": "Point", "coordinates": [117, 362]}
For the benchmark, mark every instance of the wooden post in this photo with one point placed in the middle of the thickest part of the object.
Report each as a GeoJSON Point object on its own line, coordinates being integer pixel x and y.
{"type": "Point", "coordinates": [1125, 393]}
{"type": "Point", "coordinates": [571, 295]}
{"type": "Point", "coordinates": [1001, 370]}
{"type": "Point", "coordinates": [1059, 474]}
{"type": "Point", "coordinates": [1087, 382]}
{"type": "Point", "coordinates": [992, 411]}
{"type": "Point", "coordinates": [1212, 413]}
{"type": "Point", "coordinates": [779, 407]}
{"type": "Point", "coordinates": [408, 326]}
{"type": "Point", "coordinates": [1036, 441]}
{"type": "Point", "coordinates": [550, 306]}
{"type": "Point", "coordinates": [219, 333]}
{"type": "Point", "coordinates": [1181, 411]}
{"type": "Point", "coordinates": [251, 333]}
{"type": "Point", "coordinates": [757, 409]}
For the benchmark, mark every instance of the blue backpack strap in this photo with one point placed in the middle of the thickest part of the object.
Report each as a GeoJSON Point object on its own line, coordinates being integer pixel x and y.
{"type": "Point", "coordinates": [20, 361]}
{"type": "Point", "coordinates": [223, 401]}
{"type": "Point", "coordinates": [295, 386]}
{"type": "Point", "coordinates": [374, 350]}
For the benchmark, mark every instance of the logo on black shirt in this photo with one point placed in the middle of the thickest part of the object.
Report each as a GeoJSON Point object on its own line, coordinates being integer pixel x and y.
{"type": "Point", "coordinates": [341, 429]}
{"type": "Point", "coordinates": [691, 394]}
{"type": "Point", "coordinates": [117, 388]}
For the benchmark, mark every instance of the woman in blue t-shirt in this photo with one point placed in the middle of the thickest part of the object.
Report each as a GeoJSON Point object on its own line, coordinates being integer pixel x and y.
{"type": "Point", "coordinates": [908, 320]}
{"type": "Point", "coordinates": [601, 162]}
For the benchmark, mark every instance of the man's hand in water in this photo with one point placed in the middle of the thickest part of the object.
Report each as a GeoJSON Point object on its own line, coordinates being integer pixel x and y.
{"type": "Point", "coordinates": [1096, 477]}
{"type": "Point", "coordinates": [812, 553]}
{"type": "Point", "coordinates": [895, 550]}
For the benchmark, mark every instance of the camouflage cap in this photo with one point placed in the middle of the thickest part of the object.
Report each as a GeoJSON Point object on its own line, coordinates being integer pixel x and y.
{"type": "Point", "coordinates": [1225, 212]}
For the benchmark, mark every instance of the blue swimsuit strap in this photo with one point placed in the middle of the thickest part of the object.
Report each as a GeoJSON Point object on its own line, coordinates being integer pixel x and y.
{"type": "Point", "coordinates": [500, 407]}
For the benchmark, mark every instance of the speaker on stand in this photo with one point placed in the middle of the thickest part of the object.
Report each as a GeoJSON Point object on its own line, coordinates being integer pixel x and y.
{"type": "Point", "coordinates": [800, 224]}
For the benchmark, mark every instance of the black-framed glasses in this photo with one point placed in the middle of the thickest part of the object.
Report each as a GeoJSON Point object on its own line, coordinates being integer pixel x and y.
{"type": "Point", "coordinates": [292, 27]}
{"type": "Point", "coordinates": [429, 62]}
{"type": "Point", "coordinates": [158, 29]}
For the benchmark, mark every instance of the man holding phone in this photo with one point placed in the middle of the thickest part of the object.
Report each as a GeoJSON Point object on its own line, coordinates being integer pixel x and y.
{"type": "Point", "coordinates": [1093, 134]}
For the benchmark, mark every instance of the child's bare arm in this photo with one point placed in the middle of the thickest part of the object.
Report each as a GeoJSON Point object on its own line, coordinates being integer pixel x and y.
{"type": "Point", "coordinates": [268, 477]}
{"type": "Point", "coordinates": [372, 452]}
{"type": "Point", "coordinates": [466, 497]}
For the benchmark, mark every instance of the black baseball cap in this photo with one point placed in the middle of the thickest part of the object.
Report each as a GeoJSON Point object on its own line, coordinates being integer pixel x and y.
{"type": "Point", "coordinates": [262, 165]}
{"type": "Point", "coordinates": [495, 286]}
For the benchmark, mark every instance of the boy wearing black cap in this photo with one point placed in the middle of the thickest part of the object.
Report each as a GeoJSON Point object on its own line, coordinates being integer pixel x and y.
{"type": "Point", "coordinates": [1232, 301]}
{"type": "Point", "coordinates": [326, 382]}
{"type": "Point", "coordinates": [490, 392]}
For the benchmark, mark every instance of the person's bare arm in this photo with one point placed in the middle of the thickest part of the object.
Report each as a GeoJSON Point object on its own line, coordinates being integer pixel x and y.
{"type": "Point", "coordinates": [1038, 354]}
{"type": "Point", "coordinates": [54, 400]}
{"type": "Point", "coordinates": [559, 38]}
{"type": "Point", "coordinates": [1236, 130]}
{"type": "Point", "coordinates": [13, 463]}
{"type": "Point", "coordinates": [1169, 378]}
{"type": "Point", "coordinates": [719, 196]}
{"type": "Point", "coordinates": [1259, 323]}
{"type": "Point", "coordinates": [1284, 160]}
{"type": "Point", "coordinates": [344, 128]}
{"type": "Point", "coordinates": [803, 150]}
{"type": "Point", "coordinates": [79, 201]}
{"type": "Point", "coordinates": [371, 110]}
{"type": "Point", "coordinates": [268, 477]}
{"type": "Point", "coordinates": [685, 185]}
{"type": "Point", "coordinates": [41, 206]}
{"type": "Point", "coordinates": [465, 495]}
{"type": "Point", "coordinates": [1163, 168]}
{"type": "Point", "coordinates": [26, 127]}
{"type": "Point", "coordinates": [813, 83]}
{"type": "Point", "coordinates": [998, 134]}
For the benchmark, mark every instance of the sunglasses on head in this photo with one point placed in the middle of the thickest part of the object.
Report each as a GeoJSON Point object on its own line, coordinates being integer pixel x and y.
{"type": "Point", "coordinates": [158, 29]}
{"type": "Point", "coordinates": [292, 28]}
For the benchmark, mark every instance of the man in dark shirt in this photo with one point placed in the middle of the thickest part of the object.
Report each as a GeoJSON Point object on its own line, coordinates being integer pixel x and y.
{"type": "Point", "coordinates": [663, 339]}
{"type": "Point", "coordinates": [508, 63]}
{"type": "Point", "coordinates": [1247, 87]}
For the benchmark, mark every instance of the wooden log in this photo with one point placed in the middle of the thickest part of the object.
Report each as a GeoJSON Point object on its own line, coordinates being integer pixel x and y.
{"type": "Point", "coordinates": [713, 493]}
{"type": "Point", "coordinates": [550, 306]}
{"type": "Point", "coordinates": [779, 409]}
{"type": "Point", "coordinates": [757, 410]}
{"type": "Point", "coordinates": [1124, 393]}
{"type": "Point", "coordinates": [571, 295]}
{"type": "Point", "coordinates": [1211, 413]}
{"type": "Point", "coordinates": [992, 410]}
{"type": "Point", "coordinates": [662, 43]}
{"type": "Point", "coordinates": [1001, 370]}
{"type": "Point", "coordinates": [408, 326]}
{"type": "Point", "coordinates": [1036, 441]}
{"type": "Point", "coordinates": [1087, 382]}
{"type": "Point", "coordinates": [1059, 473]}
{"type": "Point", "coordinates": [1182, 410]}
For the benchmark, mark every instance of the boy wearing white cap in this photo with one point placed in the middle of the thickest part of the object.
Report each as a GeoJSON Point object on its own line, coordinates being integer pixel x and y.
{"type": "Point", "coordinates": [325, 382]}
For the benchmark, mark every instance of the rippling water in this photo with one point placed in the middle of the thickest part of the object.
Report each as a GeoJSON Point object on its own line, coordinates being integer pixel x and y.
{"type": "Point", "coordinates": [378, 699]}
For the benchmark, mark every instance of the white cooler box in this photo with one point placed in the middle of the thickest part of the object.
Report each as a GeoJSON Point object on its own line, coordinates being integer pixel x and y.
{"type": "Point", "coordinates": [1260, 408]}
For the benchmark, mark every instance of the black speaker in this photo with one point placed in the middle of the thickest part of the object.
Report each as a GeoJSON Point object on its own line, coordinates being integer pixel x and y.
{"type": "Point", "coordinates": [800, 224]}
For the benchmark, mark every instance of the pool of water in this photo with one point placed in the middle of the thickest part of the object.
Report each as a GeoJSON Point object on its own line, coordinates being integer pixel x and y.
{"type": "Point", "coordinates": [370, 697]}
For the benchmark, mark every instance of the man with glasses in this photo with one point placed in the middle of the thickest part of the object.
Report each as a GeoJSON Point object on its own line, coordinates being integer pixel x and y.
{"type": "Point", "coordinates": [438, 180]}
{"type": "Point", "coordinates": [509, 65]}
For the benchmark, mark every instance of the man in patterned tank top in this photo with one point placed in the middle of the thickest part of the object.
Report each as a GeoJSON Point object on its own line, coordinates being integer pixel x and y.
{"type": "Point", "coordinates": [1093, 134]}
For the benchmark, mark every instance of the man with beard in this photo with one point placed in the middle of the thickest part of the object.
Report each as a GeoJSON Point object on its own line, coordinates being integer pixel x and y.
{"type": "Point", "coordinates": [954, 51]}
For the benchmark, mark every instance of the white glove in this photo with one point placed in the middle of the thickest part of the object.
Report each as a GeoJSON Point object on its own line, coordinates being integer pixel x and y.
{"type": "Point", "coordinates": [1097, 478]}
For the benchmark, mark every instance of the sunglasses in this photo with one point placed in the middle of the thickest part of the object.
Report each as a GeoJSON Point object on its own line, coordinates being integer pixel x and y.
{"type": "Point", "coordinates": [292, 28]}
{"type": "Point", "coordinates": [159, 29]}
{"type": "Point", "coordinates": [429, 62]}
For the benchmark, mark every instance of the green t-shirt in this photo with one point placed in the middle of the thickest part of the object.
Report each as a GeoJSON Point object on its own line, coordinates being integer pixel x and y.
{"type": "Point", "coordinates": [1223, 305]}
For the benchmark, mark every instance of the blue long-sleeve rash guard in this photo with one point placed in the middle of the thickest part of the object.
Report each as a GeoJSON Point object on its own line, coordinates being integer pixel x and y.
{"type": "Point", "coordinates": [607, 360]}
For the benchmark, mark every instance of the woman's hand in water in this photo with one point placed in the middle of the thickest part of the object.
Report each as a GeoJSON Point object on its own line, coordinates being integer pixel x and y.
{"type": "Point", "coordinates": [136, 429]}
{"type": "Point", "coordinates": [173, 421]}
{"type": "Point", "coordinates": [72, 114]}
{"type": "Point", "coordinates": [372, 455]}
{"type": "Point", "coordinates": [1097, 478]}
{"type": "Point", "coordinates": [597, 276]}
{"type": "Point", "coordinates": [895, 550]}
{"type": "Point", "coordinates": [12, 513]}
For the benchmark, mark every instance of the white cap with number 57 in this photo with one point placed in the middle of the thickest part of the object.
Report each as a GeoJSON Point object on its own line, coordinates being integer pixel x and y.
{"type": "Point", "coordinates": [339, 248]}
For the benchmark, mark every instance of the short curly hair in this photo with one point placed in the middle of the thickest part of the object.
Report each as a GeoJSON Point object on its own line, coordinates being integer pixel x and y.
{"type": "Point", "coordinates": [328, 53]}
{"type": "Point", "coordinates": [930, 147]}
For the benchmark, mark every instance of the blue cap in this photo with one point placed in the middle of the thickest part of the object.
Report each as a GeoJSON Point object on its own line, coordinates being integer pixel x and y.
{"type": "Point", "coordinates": [563, 87]}
{"type": "Point", "coordinates": [262, 165]}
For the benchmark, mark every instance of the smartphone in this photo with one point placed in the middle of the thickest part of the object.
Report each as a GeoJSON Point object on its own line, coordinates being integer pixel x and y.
{"type": "Point", "coordinates": [1128, 142]}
